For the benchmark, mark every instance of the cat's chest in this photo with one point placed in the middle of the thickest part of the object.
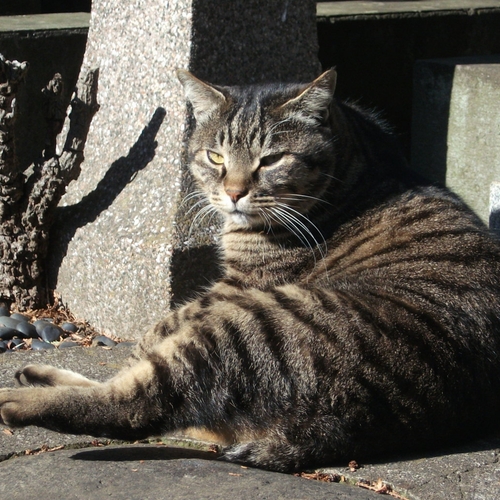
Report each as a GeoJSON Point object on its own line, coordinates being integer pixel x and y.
{"type": "Point", "coordinates": [257, 261]}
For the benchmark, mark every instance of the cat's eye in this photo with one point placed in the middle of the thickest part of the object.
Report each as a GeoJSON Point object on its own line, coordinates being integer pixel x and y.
{"type": "Point", "coordinates": [269, 160]}
{"type": "Point", "coordinates": [215, 158]}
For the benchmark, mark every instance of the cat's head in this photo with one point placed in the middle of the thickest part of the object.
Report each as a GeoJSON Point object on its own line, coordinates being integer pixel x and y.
{"type": "Point", "coordinates": [261, 153]}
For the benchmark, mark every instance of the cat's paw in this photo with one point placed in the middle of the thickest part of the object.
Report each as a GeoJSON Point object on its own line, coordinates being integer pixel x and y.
{"type": "Point", "coordinates": [11, 407]}
{"type": "Point", "coordinates": [49, 376]}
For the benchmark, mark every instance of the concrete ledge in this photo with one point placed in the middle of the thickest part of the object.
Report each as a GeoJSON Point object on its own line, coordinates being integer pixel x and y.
{"type": "Point", "coordinates": [46, 22]}
{"type": "Point", "coordinates": [332, 10]}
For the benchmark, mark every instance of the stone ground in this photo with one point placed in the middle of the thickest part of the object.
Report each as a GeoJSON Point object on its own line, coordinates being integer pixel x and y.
{"type": "Point", "coordinates": [81, 467]}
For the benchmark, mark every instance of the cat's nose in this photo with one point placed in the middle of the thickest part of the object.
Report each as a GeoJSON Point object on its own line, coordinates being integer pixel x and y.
{"type": "Point", "coordinates": [236, 193]}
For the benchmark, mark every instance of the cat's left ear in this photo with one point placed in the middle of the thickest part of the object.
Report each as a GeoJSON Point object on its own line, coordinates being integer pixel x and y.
{"type": "Point", "coordinates": [204, 98]}
{"type": "Point", "coordinates": [314, 100]}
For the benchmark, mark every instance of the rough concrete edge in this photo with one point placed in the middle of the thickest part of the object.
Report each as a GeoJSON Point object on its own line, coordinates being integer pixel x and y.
{"type": "Point", "coordinates": [348, 11]}
{"type": "Point", "coordinates": [45, 22]}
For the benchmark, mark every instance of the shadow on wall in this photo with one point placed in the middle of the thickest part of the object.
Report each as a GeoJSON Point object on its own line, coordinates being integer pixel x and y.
{"type": "Point", "coordinates": [120, 173]}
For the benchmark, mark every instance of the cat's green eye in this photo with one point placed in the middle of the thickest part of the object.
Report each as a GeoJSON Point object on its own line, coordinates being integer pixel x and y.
{"type": "Point", "coordinates": [269, 160]}
{"type": "Point", "coordinates": [215, 158]}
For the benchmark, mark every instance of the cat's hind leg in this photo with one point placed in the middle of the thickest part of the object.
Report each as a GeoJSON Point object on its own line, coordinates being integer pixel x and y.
{"type": "Point", "coordinates": [128, 406]}
{"type": "Point", "coordinates": [272, 453]}
{"type": "Point", "coordinates": [50, 376]}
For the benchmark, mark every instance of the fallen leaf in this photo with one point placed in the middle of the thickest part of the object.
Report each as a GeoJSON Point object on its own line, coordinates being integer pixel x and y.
{"type": "Point", "coordinates": [353, 466]}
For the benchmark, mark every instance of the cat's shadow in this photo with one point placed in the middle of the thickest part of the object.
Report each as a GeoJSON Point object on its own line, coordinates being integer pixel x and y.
{"type": "Point", "coordinates": [132, 453]}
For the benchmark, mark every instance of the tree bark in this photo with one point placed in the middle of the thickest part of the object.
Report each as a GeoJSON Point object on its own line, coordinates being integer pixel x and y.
{"type": "Point", "coordinates": [28, 200]}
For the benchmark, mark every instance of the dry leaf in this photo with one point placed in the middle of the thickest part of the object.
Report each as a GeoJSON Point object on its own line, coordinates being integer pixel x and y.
{"type": "Point", "coordinates": [353, 466]}
{"type": "Point", "coordinates": [320, 476]}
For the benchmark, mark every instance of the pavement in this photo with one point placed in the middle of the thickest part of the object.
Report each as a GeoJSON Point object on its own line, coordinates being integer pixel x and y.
{"type": "Point", "coordinates": [40, 464]}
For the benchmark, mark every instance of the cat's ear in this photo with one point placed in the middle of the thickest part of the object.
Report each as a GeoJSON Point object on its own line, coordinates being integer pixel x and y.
{"type": "Point", "coordinates": [314, 99]}
{"type": "Point", "coordinates": [203, 97]}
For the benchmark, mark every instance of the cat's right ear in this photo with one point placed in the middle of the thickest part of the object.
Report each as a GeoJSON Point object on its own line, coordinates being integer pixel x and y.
{"type": "Point", "coordinates": [203, 97]}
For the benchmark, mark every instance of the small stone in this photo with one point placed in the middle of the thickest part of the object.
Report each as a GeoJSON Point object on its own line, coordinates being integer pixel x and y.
{"type": "Point", "coordinates": [27, 330]}
{"type": "Point", "coordinates": [20, 317]}
{"type": "Point", "coordinates": [40, 345]}
{"type": "Point", "coordinates": [4, 311]}
{"type": "Point", "coordinates": [7, 333]}
{"type": "Point", "coordinates": [69, 327]}
{"type": "Point", "coordinates": [68, 343]}
{"type": "Point", "coordinates": [40, 324]}
{"type": "Point", "coordinates": [102, 340]}
{"type": "Point", "coordinates": [3, 346]}
{"type": "Point", "coordinates": [51, 333]}
{"type": "Point", "coordinates": [7, 321]}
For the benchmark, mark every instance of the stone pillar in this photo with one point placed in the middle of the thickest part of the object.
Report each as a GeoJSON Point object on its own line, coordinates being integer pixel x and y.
{"type": "Point", "coordinates": [456, 126]}
{"type": "Point", "coordinates": [121, 252]}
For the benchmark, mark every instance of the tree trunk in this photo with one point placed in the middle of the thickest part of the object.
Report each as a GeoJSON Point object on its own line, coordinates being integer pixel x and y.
{"type": "Point", "coordinates": [28, 200]}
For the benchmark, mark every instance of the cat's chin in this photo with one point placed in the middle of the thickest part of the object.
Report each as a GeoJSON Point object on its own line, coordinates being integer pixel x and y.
{"type": "Point", "coordinates": [240, 220]}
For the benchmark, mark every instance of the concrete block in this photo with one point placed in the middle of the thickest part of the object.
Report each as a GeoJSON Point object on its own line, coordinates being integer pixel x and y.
{"type": "Point", "coordinates": [495, 207]}
{"type": "Point", "coordinates": [456, 126]}
{"type": "Point", "coordinates": [121, 254]}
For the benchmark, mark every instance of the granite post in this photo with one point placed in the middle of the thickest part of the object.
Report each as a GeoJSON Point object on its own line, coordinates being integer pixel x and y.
{"type": "Point", "coordinates": [122, 253]}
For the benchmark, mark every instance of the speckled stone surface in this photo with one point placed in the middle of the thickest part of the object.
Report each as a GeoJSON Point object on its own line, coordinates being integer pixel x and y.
{"type": "Point", "coordinates": [120, 255]}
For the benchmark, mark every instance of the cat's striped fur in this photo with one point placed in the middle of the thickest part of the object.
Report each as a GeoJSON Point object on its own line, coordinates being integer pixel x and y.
{"type": "Point", "coordinates": [359, 312]}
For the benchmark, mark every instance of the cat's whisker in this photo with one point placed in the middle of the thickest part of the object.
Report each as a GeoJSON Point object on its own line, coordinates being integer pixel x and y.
{"type": "Point", "coordinates": [289, 209]}
{"type": "Point", "coordinates": [289, 223]}
{"type": "Point", "coordinates": [190, 196]}
{"type": "Point", "coordinates": [200, 217]}
{"type": "Point", "coordinates": [200, 202]}
{"type": "Point", "coordinates": [268, 221]}
{"type": "Point", "coordinates": [332, 177]}
{"type": "Point", "coordinates": [299, 197]}
{"type": "Point", "coordinates": [301, 227]}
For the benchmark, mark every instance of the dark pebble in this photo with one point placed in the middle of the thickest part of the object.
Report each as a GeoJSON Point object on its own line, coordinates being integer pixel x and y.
{"type": "Point", "coordinates": [68, 343]}
{"type": "Point", "coordinates": [3, 346]}
{"type": "Point", "coordinates": [6, 332]}
{"type": "Point", "coordinates": [102, 340]}
{"type": "Point", "coordinates": [40, 324]}
{"type": "Point", "coordinates": [7, 321]}
{"type": "Point", "coordinates": [20, 317]}
{"type": "Point", "coordinates": [51, 333]}
{"type": "Point", "coordinates": [69, 327]}
{"type": "Point", "coordinates": [4, 311]}
{"type": "Point", "coordinates": [40, 345]}
{"type": "Point", "coordinates": [27, 330]}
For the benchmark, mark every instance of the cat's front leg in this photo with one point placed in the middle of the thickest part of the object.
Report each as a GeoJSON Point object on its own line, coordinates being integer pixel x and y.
{"type": "Point", "coordinates": [50, 376]}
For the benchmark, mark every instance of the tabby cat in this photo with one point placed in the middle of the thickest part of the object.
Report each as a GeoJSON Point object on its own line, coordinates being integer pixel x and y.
{"type": "Point", "coordinates": [358, 313]}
